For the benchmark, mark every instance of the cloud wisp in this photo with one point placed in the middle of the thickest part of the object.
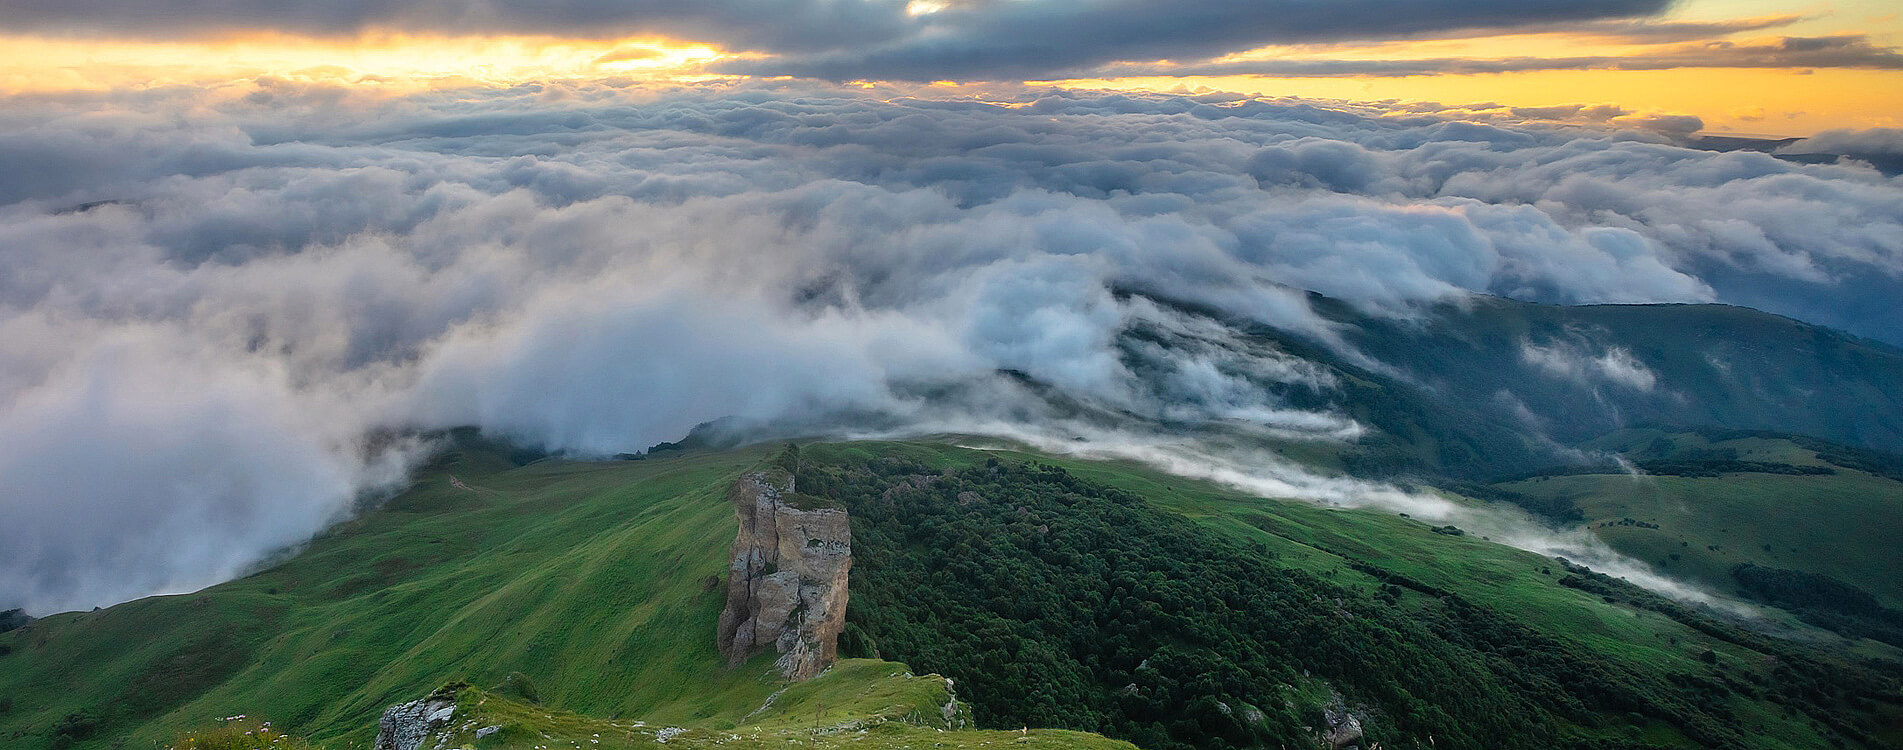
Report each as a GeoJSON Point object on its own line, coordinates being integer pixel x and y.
{"type": "Point", "coordinates": [1264, 473]}
{"type": "Point", "coordinates": [214, 297]}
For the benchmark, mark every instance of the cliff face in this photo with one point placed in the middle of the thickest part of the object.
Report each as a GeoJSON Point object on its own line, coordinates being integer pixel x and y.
{"type": "Point", "coordinates": [786, 583]}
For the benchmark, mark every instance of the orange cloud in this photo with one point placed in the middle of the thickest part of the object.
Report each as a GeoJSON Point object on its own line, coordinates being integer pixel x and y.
{"type": "Point", "coordinates": [1830, 78]}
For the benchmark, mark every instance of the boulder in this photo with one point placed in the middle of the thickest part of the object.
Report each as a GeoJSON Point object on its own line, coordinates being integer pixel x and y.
{"type": "Point", "coordinates": [405, 726]}
{"type": "Point", "coordinates": [1343, 728]}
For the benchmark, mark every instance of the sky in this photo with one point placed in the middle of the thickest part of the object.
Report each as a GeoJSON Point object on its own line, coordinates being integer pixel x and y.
{"type": "Point", "coordinates": [1763, 67]}
{"type": "Point", "coordinates": [255, 251]}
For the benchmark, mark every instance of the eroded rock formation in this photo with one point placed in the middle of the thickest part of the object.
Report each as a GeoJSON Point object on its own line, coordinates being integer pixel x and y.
{"type": "Point", "coordinates": [405, 726]}
{"type": "Point", "coordinates": [786, 583]}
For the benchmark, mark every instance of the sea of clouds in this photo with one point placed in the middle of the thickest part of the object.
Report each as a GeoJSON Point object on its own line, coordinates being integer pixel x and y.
{"type": "Point", "coordinates": [211, 297]}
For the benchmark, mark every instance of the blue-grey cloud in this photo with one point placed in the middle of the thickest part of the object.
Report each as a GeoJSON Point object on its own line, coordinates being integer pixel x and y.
{"type": "Point", "coordinates": [1042, 39]}
{"type": "Point", "coordinates": [1837, 51]}
{"type": "Point", "coordinates": [1867, 142]}
{"type": "Point", "coordinates": [1652, 31]}
{"type": "Point", "coordinates": [201, 287]}
{"type": "Point", "coordinates": [778, 25]}
{"type": "Point", "coordinates": [855, 39]}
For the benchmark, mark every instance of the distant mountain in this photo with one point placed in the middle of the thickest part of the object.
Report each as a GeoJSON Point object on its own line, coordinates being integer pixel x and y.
{"type": "Point", "coordinates": [1493, 387]}
{"type": "Point", "coordinates": [1889, 163]}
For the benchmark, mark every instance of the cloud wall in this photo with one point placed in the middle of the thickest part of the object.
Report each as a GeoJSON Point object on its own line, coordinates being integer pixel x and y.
{"type": "Point", "coordinates": [213, 297]}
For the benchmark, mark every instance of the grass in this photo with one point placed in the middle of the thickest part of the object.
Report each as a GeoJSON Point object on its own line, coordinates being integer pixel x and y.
{"type": "Point", "coordinates": [598, 583]}
{"type": "Point", "coordinates": [1343, 544]}
{"type": "Point", "coordinates": [1330, 541]}
{"type": "Point", "coordinates": [1843, 525]}
{"type": "Point", "coordinates": [860, 703]}
{"type": "Point", "coordinates": [240, 733]}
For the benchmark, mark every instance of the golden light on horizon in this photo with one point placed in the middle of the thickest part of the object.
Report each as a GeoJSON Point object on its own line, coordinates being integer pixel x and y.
{"type": "Point", "coordinates": [391, 60]}
{"type": "Point", "coordinates": [1758, 101]}
{"type": "Point", "coordinates": [1753, 102]}
{"type": "Point", "coordinates": [1789, 101]}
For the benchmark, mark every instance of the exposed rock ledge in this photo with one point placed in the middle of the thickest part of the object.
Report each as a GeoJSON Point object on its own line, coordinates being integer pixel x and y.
{"type": "Point", "coordinates": [405, 726]}
{"type": "Point", "coordinates": [786, 583]}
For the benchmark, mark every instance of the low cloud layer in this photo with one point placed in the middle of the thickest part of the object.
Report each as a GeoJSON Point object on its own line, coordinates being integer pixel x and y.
{"type": "Point", "coordinates": [1869, 142]}
{"type": "Point", "coordinates": [1615, 366]}
{"type": "Point", "coordinates": [214, 297]}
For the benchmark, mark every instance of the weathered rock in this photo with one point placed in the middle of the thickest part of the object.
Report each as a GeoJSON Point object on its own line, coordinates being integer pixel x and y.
{"type": "Point", "coordinates": [786, 583]}
{"type": "Point", "coordinates": [1343, 728]}
{"type": "Point", "coordinates": [405, 726]}
{"type": "Point", "coordinates": [955, 714]}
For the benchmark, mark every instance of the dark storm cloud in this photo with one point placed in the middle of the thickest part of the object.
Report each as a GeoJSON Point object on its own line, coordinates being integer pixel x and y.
{"type": "Point", "coordinates": [853, 39]}
{"type": "Point", "coordinates": [210, 301]}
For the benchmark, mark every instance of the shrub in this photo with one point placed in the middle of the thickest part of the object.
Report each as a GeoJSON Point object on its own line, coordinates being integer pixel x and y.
{"type": "Point", "coordinates": [73, 728]}
{"type": "Point", "coordinates": [856, 643]}
{"type": "Point", "coordinates": [519, 687]}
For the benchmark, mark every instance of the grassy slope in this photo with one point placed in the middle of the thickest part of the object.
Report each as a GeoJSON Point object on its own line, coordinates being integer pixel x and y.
{"type": "Point", "coordinates": [594, 579]}
{"type": "Point", "coordinates": [860, 703]}
{"type": "Point", "coordinates": [1842, 525]}
{"type": "Point", "coordinates": [1330, 542]}
{"type": "Point", "coordinates": [591, 578]}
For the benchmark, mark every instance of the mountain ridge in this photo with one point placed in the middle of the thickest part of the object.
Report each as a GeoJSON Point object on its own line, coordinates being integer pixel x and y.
{"type": "Point", "coordinates": [590, 579]}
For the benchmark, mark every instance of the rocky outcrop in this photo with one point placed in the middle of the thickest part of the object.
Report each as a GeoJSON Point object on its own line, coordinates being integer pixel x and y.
{"type": "Point", "coordinates": [1341, 729]}
{"type": "Point", "coordinates": [786, 582]}
{"type": "Point", "coordinates": [405, 726]}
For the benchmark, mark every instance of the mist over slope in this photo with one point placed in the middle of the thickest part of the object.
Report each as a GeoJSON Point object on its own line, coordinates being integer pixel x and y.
{"type": "Point", "coordinates": [213, 298]}
{"type": "Point", "coordinates": [1566, 374]}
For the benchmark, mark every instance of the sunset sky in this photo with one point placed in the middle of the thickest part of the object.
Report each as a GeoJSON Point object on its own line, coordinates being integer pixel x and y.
{"type": "Point", "coordinates": [1778, 67]}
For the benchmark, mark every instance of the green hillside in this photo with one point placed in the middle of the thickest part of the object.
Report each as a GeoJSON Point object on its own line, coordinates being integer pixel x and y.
{"type": "Point", "coordinates": [1586, 663]}
{"type": "Point", "coordinates": [1699, 528]}
{"type": "Point", "coordinates": [1715, 507]}
{"type": "Point", "coordinates": [1493, 387]}
{"type": "Point", "coordinates": [595, 580]}
{"type": "Point", "coordinates": [859, 703]}
{"type": "Point", "coordinates": [1702, 365]}
{"type": "Point", "coordinates": [579, 598]}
